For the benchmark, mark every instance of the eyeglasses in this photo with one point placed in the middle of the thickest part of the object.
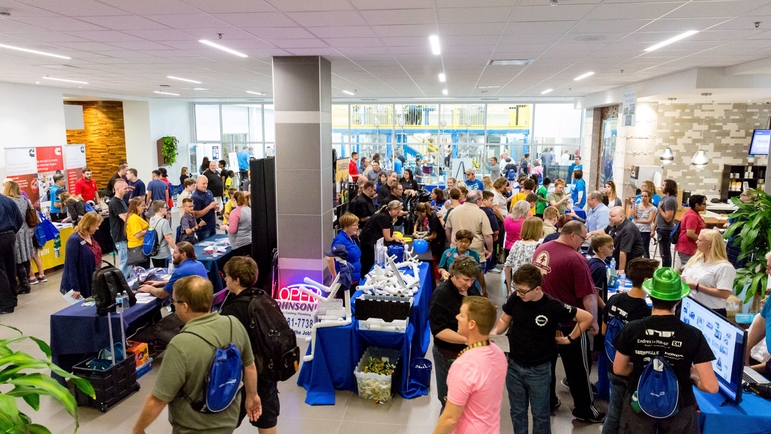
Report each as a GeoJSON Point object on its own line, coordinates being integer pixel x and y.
{"type": "Point", "coordinates": [583, 237]}
{"type": "Point", "coordinates": [177, 301]}
{"type": "Point", "coordinates": [523, 293]}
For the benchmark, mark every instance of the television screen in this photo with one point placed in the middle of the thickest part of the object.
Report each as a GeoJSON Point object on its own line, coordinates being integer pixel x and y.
{"type": "Point", "coordinates": [727, 341]}
{"type": "Point", "coordinates": [760, 142]}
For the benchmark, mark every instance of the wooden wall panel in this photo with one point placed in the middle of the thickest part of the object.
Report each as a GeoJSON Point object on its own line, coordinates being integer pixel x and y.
{"type": "Point", "coordinates": [104, 136]}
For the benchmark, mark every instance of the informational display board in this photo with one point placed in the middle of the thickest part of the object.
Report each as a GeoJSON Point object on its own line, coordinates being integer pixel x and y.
{"type": "Point", "coordinates": [76, 161]}
{"type": "Point", "coordinates": [33, 169]}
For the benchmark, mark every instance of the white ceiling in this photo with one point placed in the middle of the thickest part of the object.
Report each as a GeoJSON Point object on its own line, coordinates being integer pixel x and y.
{"type": "Point", "coordinates": [377, 48]}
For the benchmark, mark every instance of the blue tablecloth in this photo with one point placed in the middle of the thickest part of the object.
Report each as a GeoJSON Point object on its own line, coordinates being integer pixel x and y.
{"type": "Point", "coordinates": [78, 331]}
{"type": "Point", "coordinates": [338, 350]}
{"type": "Point", "coordinates": [213, 264]}
{"type": "Point", "coordinates": [579, 212]}
{"type": "Point", "coordinates": [751, 416]}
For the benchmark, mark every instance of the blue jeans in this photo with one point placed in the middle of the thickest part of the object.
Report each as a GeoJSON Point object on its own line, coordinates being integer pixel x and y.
{"type": "Point", "coordinates": [529, 385]}
{"type": "Point", "coordinates": [442, 365]}
{"type": "Point", "coordinates": [122, 248]}
{"type": "Point", "coordinates": [665, 246]}
{"type": "Point", "coordinates": [615, 404]}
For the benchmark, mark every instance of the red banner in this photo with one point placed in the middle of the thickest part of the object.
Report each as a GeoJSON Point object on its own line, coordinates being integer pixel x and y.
{"type": "Point", "coordinates": [72, 177]}
{"type": "Point", "coordinates": [28, 184]}
{"type": "Point", "coordinates": [50, 159]}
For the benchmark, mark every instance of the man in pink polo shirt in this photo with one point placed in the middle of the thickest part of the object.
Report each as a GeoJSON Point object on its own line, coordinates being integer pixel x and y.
{"type": "Point", "coordinates": [476, 379]}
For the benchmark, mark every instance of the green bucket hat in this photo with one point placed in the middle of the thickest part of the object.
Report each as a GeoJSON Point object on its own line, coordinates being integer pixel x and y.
{"type": "Point", "coordinates": [666, 285]}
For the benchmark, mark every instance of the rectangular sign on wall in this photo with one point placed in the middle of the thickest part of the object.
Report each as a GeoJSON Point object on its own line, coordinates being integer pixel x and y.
{"type": "Point", "coordinates": [76, 160]}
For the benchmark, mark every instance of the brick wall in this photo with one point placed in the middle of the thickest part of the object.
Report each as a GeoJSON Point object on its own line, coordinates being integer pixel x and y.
{"type": "Point", "coordinates": [103, 135]}
{"type": "Point", "coordinates": [723, 130]}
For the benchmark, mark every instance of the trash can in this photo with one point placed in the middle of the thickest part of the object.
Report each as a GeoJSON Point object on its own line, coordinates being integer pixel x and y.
{"type": "Point", "coordinates": [420, 373]}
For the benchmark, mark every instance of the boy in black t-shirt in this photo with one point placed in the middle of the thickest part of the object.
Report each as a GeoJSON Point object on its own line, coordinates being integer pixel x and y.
{"type": "Point", "coordinates": [682, 345]}
{"type": "Point", "coordinates": [532, 319]}
{"type": "Point", "coordinates": [627, 307]}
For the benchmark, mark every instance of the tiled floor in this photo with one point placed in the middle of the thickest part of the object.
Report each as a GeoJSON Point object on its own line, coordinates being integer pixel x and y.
{"type": "Point", "coordinates": [349, 415]}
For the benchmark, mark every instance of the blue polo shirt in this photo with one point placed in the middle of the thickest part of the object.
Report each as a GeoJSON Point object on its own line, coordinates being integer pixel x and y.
{"type": "Point", "coordinates": [190, 267]}
{"type": "Point", "coordinates": [201, 200]}
{"type": "Point", "coordinates": [243, 160]}
{"type": "Point", "coordinates": [354, 255]}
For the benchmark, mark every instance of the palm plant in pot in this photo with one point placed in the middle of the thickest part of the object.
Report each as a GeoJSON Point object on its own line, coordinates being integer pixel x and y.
{"type": "Point", "coordinates": [751, 232]}
{"type": "Point", "coordinates": [18, 370]}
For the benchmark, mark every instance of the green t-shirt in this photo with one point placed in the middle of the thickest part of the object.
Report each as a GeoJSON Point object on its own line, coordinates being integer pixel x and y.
{"type": "Point", "coordinates": [558, 197]}
{"type": "Point", "coordinates": [186, 363]}
{"type": "Point", "coordinates": [540, 206]}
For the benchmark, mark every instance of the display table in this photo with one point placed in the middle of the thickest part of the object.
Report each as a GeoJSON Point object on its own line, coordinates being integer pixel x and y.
{"type": "Point", "coordinates": [752, 415]}
{"type": "Point", "coordinates": [54, 257]}
{"type": "Point", "coordinates": [77, 332]}
{"type": "Point", "coordinates": [338, 350]}
{"type": "Point", "coordinates": [213, 264]}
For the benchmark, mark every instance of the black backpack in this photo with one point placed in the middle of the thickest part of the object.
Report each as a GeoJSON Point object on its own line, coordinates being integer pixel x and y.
{"type": "Point", "coordinates": [274, 343]}
{"type": "Point", "coordinates": [106, 284]}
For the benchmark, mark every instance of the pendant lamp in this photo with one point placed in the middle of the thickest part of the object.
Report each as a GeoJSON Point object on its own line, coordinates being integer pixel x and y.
{"type": "Point", "coordinates": [667, 156]}
{"type": "Point", "coordinates": [700, 158]}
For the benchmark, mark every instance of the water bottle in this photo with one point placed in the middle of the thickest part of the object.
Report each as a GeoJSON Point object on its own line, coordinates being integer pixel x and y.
{"type": "Point", "coordinates": [612, 275]}
{"type": "Point", "coordinates": [119, 303]}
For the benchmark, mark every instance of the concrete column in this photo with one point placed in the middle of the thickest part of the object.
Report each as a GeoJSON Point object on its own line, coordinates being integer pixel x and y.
{"type": "Point", "coordinates": [302, 97]}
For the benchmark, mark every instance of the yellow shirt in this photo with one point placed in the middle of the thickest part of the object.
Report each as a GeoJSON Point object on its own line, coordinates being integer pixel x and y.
{"type": "Point", "coordinates": [521, 196]}
{"type": "Point", "coordinates": [134, 225]}
{"type": "Point", "coordinates": [227, 211]}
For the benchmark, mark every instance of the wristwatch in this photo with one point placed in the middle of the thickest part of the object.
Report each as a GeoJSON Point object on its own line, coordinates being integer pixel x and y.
{"type": "Point", "coordinates": [696, 288]}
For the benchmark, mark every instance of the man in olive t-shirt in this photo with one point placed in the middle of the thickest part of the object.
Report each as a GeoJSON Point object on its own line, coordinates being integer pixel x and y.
{"type": "Point", "coordinates": [186, 364]}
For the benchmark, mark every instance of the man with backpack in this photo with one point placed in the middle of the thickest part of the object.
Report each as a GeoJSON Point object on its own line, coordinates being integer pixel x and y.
{"type": "Point", "coordinates": [240, 275]}
{"type": "Point", "coordinates": [656, 351]}
{"type": "Point", "coordinates": [185, 382]}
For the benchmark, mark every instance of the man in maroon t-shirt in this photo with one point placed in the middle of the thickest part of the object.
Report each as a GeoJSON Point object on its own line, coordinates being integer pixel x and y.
{"type": "Point", "coordinates": [86, 187]}
{"type": "Point", "coordinates": [567, 278]}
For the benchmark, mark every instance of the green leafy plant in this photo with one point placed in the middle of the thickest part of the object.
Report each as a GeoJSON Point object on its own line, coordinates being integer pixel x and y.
{"type": "Point", "coordinates": [169, 150]}
{"type": "Point", "coordinates": [18, 370]}
{"type": "Point", "coordinates": [751, 232]}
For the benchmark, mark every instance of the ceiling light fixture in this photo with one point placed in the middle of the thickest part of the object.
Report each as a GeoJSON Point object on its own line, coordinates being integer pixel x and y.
{"type": "Point", "coordinates": [435, 48]}
{"type": "Point", "coordinates": [26, 50]}
{"type": "Point", "coordinates": [64, 80]}
{"type": "Point", "coordinates": [200, 88]}
{"type": "Point", "coordinates": [254, 93]}
{"type": "Point", "coordinates": [165, 93]}
{"type": "Point", "coordinates": [667, 156]}
{"type": "Point", "coordinates": [444, 92]}
{"type": "Point", "coordinates": [510, 62]}
{"type": "Point", "coordinates": [672, 40]}
{"type": "Point", "coordinates": [546, 91]}
{"type": "Point", "coordinates": [183, 79]}
{"type": "Point", "coordinates": [348, 92]}
{"type": "Point", "coordinates": [442, 77]}
{"type": "Point", "coordinates": [583, 76]}
{"type": "Point", "coordinates": [700, 158]}
{"type": "Point", "coordinates": [488, 86]}
{"type": "Point", "coordinates": [220, 47]}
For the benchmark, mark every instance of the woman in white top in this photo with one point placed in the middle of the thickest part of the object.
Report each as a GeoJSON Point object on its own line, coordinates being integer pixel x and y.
{"type": "Point", "coordinates": [500, 204]}
{"type": "Point", "coordinates": [644, 214]}
{"type": "Point", "coordinates": [708, 272]}
{"type": "Point", "coordinates": [522, 250]}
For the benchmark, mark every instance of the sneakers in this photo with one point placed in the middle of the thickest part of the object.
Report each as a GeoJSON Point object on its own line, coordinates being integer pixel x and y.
{"type": "Point", "coordinates": [591, 417]}
{"type": "Point", "coordinates": [494, 271]}
{"type": "Point", "coordinates": [42, 278]}
{"type": "Point", "coordinates": [33, 281]}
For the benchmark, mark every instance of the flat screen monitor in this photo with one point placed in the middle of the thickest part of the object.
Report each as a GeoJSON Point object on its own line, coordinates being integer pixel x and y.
{"type": "Point", "coordinates": [761, 139]}
{"type": "Point", "coordinates": [727, 341]}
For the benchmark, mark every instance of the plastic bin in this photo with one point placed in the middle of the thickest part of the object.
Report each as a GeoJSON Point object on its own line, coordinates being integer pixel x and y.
{"type": "Point", "coordinates": [375, 387]}
{"type": "Point", "coordinates": [110, 385]}
{"type": "Point", "coordinates": [420, 373]}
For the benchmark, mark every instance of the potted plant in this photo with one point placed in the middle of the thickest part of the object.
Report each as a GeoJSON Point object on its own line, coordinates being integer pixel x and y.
{"type": "Point", "coordinates": [18, 371]}
{"type": "Point", "coordinates": [751, 232]}
{"type": "Point", "coordinates": [167, 150]}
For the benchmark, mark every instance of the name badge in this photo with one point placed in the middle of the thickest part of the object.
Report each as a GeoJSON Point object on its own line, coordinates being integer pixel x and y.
{"type": "Point", "coordinates": [83, 242]}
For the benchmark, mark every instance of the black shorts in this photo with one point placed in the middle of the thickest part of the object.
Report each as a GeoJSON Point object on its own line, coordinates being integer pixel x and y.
{"type": "Point", "coordinates": [271, 407]}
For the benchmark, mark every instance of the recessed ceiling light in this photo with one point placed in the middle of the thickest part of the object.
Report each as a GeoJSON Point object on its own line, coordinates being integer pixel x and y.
{"type": "Point", "coordinates": [254, 93]}
{"type": "Point", "coordinates": [671, 40]}
{"type": "Point", "coordinates": [347, 92]}
{"type": "Point", "coordinates": [26, 50]}
{"type": "Point", "coordinates": [435, 48]}
{"type": "Point", "coordinates": [183, 79]}
{"type": "Point", "coordinates": [442, 77]}
{"type": "Point", "coordinates": [220, 47]}
{"type": "Point", "coordinates": [200, 88]}
{"type": "Point", "coordinates": [434, 99]}
{"type": "Point", "coordinates": [510, 62]}
{"type": "Point", "coordinates": [546, 91]}
{"type": "Point", "coordinates": [165, 93]}
{"type": "Point", "coordinates": [583, 76]}
{"type": "Point", "coordinates": [65, 80]}
{"type": "Point", "coordinates": [488, 86]}
{"type": "Point", "coordinates": [444, 92]}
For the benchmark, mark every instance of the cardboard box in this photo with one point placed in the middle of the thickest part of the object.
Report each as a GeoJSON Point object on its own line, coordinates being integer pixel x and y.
{"type": "Point", "coordinates": [140, 350]}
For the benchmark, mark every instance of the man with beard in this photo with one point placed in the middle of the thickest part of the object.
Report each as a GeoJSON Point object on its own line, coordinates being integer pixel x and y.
{"type": "Point", "coordinates": [185, 264]}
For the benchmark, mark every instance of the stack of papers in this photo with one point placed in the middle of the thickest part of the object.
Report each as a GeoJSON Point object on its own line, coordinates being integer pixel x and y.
{"type": "Point", "coordinates": [144, 297]}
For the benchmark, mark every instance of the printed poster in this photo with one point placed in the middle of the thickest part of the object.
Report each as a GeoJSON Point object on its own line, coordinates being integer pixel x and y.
{"type": "Point", "coordinates": [629, 115]}
{"type": "Point", "coordinates": [76, 161]}
{"type": "Point", "coordinates": [33, 169]}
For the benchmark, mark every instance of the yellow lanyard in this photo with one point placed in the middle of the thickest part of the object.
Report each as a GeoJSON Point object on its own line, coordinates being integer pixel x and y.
{"type": "Point", "coordinates": [475, 345]}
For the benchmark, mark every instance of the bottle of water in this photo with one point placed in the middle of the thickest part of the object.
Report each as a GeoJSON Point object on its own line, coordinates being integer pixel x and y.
{"type": "Point", "coordinates": [612, 275]}
{"type": "Point", "coordinates": [119, 303]}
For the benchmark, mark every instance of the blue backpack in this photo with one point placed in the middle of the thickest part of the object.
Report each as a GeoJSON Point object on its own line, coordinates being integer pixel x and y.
{"type": "Point", "coordinates": [150, 244]}
{"type": "Point", "coordinates": [675, 234]}
{"type": "Point", "coordinates": [223, 380]}
{"type": "Point", "coordinates": [614, 328]}
{"type": "Point", "coordinates": [658, 391]}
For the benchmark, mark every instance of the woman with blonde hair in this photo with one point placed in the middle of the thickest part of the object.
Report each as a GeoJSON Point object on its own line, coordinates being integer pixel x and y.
{"type": "Point", "coordinates": [487, 182]}
{"type": "Point", "coordinates": [513, 222]}
{"type": "Point", "coordinates": [24, 250]}
{"type": "Point", "coordinates": [522, 251]}
{"type": "Point", "coordinates": [82, 256]}
{"type": "Point", "coordinates": [76, 207]}
{"type": "Point", "coordinates": [708, 272]}
{"type": "Point", "coordinates": [136, 227]}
